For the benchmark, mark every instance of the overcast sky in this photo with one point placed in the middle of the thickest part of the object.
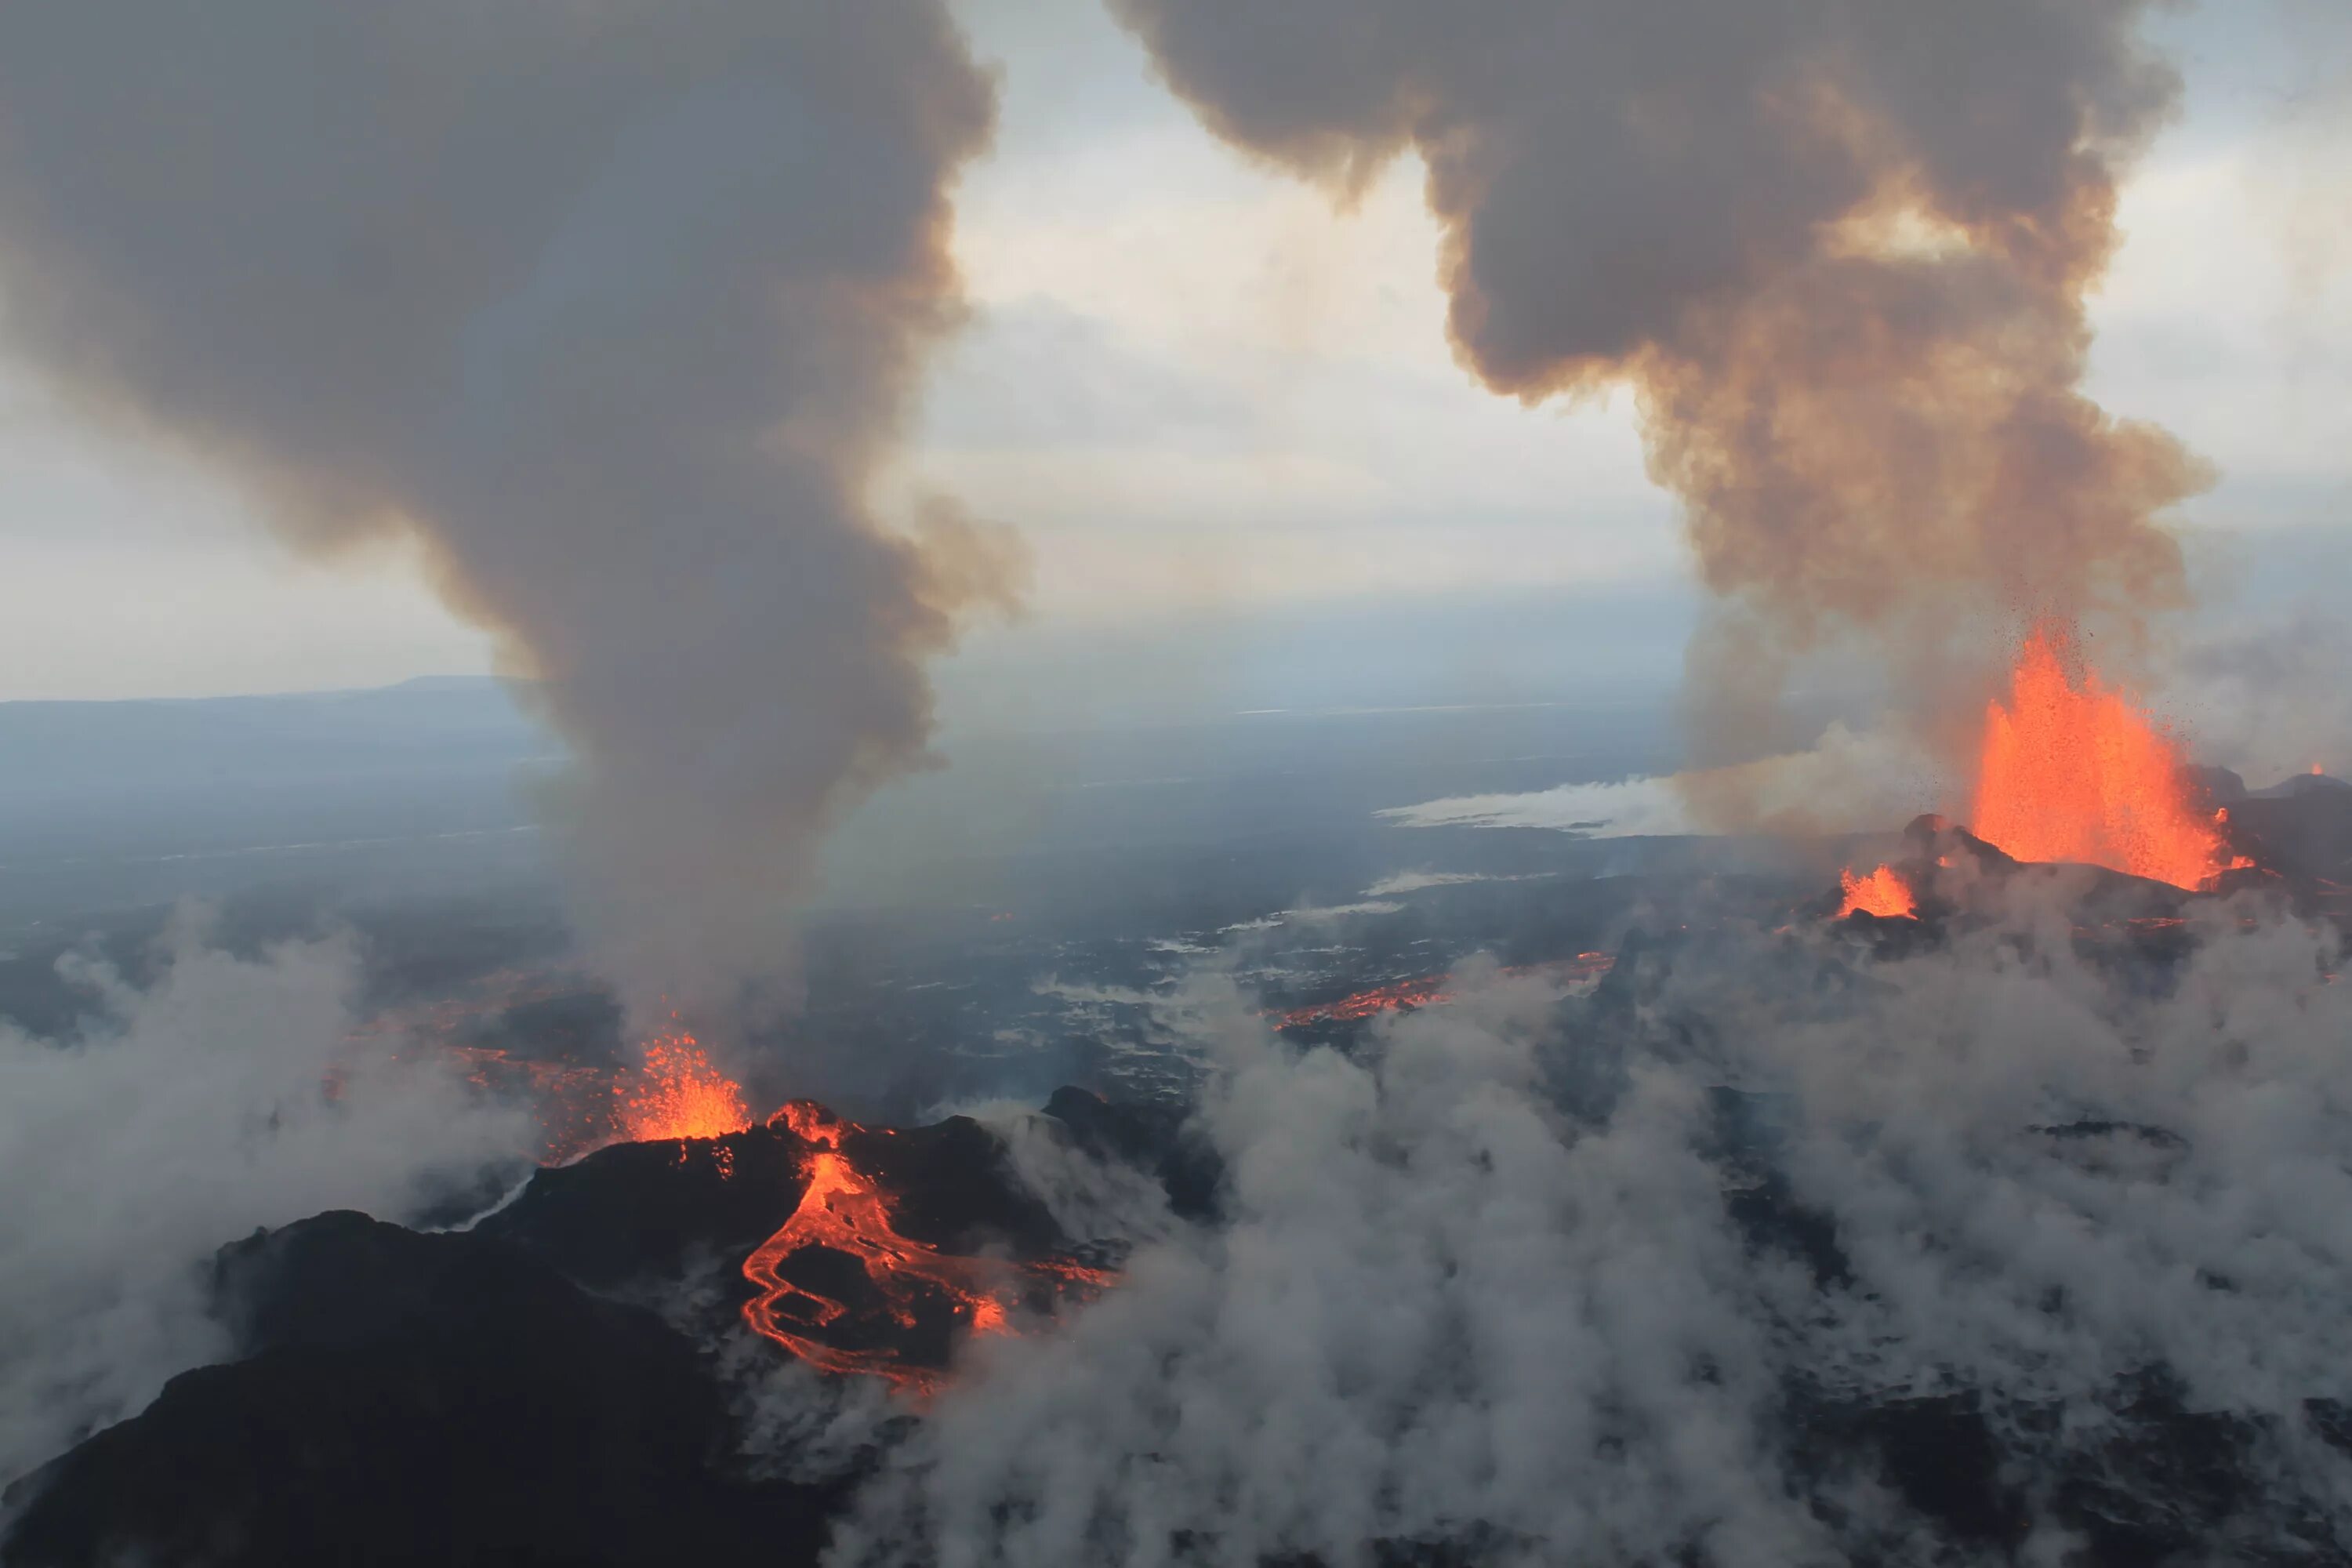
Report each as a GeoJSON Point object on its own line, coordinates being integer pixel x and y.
{"type": "Point", "coordinates": [1200, 392]}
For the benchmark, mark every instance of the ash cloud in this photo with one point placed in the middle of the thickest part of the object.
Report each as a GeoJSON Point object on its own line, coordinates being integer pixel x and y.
{"type": "Point", "coordinates": [1839, 252]}
{"type": "Point", "coordinates": [177, 1117]}
{"type": "Point", "coordinates": [1531, 1278]}
{"type": "Point", "coordinates": [616, 307]}
{"type": "Point", "coordinates": [2269, 696]}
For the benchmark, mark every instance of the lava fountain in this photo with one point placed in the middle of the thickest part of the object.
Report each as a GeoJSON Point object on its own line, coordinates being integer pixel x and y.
{"type": "Point", "coordinates": [2072, 770]}
{"type": "Point", "coordinates": [678, 1093]}
{"type": "Point", "coordinates": [1883, 892]}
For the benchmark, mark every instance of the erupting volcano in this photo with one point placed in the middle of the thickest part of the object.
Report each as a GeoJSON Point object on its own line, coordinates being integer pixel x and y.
{"type": "Point", "coordinates": [2072, 770]}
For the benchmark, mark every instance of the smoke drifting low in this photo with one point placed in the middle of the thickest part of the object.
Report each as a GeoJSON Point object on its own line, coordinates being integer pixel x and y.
{"type": "Point", "coordinates": [617, 307]}
{"type": "Point", "coordinates": [180, 1118]}
{"type": "Point", "coordinates": [1605, 1281]}
{"type": "Point", "coordinates": [1839, 251]}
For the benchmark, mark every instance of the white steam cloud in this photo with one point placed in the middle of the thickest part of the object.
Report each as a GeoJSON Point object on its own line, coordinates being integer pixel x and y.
{"type": "Point", "coordinates": [179, 1117]}
{"type": "Point", "coordinates": [1874, 779]}
{"type": "Point", "coordinates": [1485, 1284]}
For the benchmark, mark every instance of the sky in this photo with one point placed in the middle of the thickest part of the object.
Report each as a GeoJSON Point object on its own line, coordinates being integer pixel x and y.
{"type": "Point", "coordinates": [1207, 399]}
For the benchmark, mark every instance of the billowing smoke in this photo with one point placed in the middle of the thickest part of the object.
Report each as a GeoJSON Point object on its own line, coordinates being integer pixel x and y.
{"type": "Point", "coordinates": [1681, 1272]}
{"type": "Point", "coordinates": [223, 1096]}
{"type": "Point", "coordinates": [616, 305]}
{"type": "Point", "coordinates": [1839, 251]}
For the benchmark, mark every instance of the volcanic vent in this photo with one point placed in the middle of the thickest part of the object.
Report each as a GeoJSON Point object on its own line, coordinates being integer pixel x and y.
{"type": "Point", "coordinates": [2071, 770]}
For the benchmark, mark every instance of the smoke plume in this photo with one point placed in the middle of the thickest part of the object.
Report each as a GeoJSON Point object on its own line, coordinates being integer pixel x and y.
{"type": "Point", "coordinates": [616, 306]}
{"type": "Point", "coordinates": [1839, 251]}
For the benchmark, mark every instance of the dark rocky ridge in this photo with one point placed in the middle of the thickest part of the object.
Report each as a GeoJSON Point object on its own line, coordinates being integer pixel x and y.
{"type": "Point", "coordinates": [401, 1398]}
{"type": "Point", "coordinates": [480, 1396]}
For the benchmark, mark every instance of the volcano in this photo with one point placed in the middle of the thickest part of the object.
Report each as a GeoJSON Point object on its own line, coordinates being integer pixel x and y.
{"type": "Point", "coordinates": [503, 1393]}
{"type": "Point", "coordinates": [2071, 770]}
{"type": "Point", "coordinates": [536, 1388]}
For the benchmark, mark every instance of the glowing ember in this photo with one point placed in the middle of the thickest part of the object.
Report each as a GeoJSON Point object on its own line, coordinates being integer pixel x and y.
{"type": "Point", "coordinates": [1883, 893]}
{"type": "Point", "coordinates": [2073, 771]}
{"type": "Point", "coordinates": [678, 1094]}
{"type": "Point", "coordinates": [844, 1211]}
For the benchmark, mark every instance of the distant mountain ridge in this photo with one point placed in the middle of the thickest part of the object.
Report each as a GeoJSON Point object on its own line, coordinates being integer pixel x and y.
{"type": "Point", "coordinates": [68, 750]}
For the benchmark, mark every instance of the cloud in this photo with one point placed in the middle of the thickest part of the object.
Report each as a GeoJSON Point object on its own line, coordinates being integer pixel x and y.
{"type": "Point", "coordinates": [1874, 779]}
{"type": "Point", "coordinates": [178, 1118]}
{"type": "Point", "coordinates": [2268, 694]}
{"type": "Point", "coordinates": [1624, 808]}
{"type": "Point", "coordinates": [1418, 881]}
{"type": "Point", "coordinates": [1483, 1284]}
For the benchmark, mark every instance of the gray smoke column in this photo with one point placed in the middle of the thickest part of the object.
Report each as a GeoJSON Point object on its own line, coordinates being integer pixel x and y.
{"type": "Point", "coordinates": [1838, 250]}
{"type": "Point", "coordinates": [616, 305]}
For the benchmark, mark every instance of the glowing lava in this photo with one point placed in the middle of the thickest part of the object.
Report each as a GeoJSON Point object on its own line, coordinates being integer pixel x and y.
{"type": "Point", "coordinates": [678, 1094]}
{"type": "Point", "coordinates": [2073, 771]}
{"type": "Point", "coordinates": [1420, 993]}
{"type": "Point", "coordinates": [1432, 990]}
{"type": "Point", "coordinates": [843, 1211]}
{"type": "Point", "coordinates": [1883, 893]}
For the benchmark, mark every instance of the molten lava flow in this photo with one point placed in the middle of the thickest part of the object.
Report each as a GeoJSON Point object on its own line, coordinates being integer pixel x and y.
{"type": "Point", "coordinates": [1883, 893]}
{"type": "Point", "coordinates": [678, 1094]}
{"type": "Point", "coordinates": [2073, 771]}
{"type": "Point", "coordinates": [1420, 993]}
{"type": "Point", "coordinates": [1431, 989]}
{"type": "Point", "coordinates": [844, 1211]}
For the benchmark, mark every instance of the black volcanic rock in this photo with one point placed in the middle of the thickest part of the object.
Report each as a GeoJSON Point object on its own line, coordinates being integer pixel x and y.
{"type": "Point", "coordinates": [1930, 837]}
{"type": "Point", "coordinates": [636, 1211]}
{"type": "Point", "coordinates": [952, 1189]}
{"type": "Point", "coordinates": [2119, 920]}
{"type": "Point", "coordinates": [2300, 832]}
{"type": "Point", "coordinates": [1152, 1138]}
{"type": "Point", "coordinates": [408, 1399]}
{"type": "Point", "coordinates": [2216, 786]}
{"type": "Point", "coordinates": [1936, 1452]}
{"type": "Point", "coordinates": [2294, 786]}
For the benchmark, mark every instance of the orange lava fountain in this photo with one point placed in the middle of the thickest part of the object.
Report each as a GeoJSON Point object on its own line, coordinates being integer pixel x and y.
{"type": "Point", "coordinates": [2072, 771]}
{"type": "Point", "coordinates": [678, 1093]}
{"type": "Point", "coordinates": [1883, 893]}
{"type": "Point", "coordinates": [843, 1211]}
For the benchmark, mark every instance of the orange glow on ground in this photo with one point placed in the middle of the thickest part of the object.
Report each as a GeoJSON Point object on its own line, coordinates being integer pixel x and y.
{"type": "Point", "coordinates": [843, 1211]}
{"type": "Point", "coordinates": [1882, 893]}
{"type": "Point", "coordinates": [678, 1093]}
{"type": "Point", "coordinates": [1421, 993]}
{"type": "Point", "coordinates": [1430, 991]}
{"type": "Point", "coordinates": [2071, 770]}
